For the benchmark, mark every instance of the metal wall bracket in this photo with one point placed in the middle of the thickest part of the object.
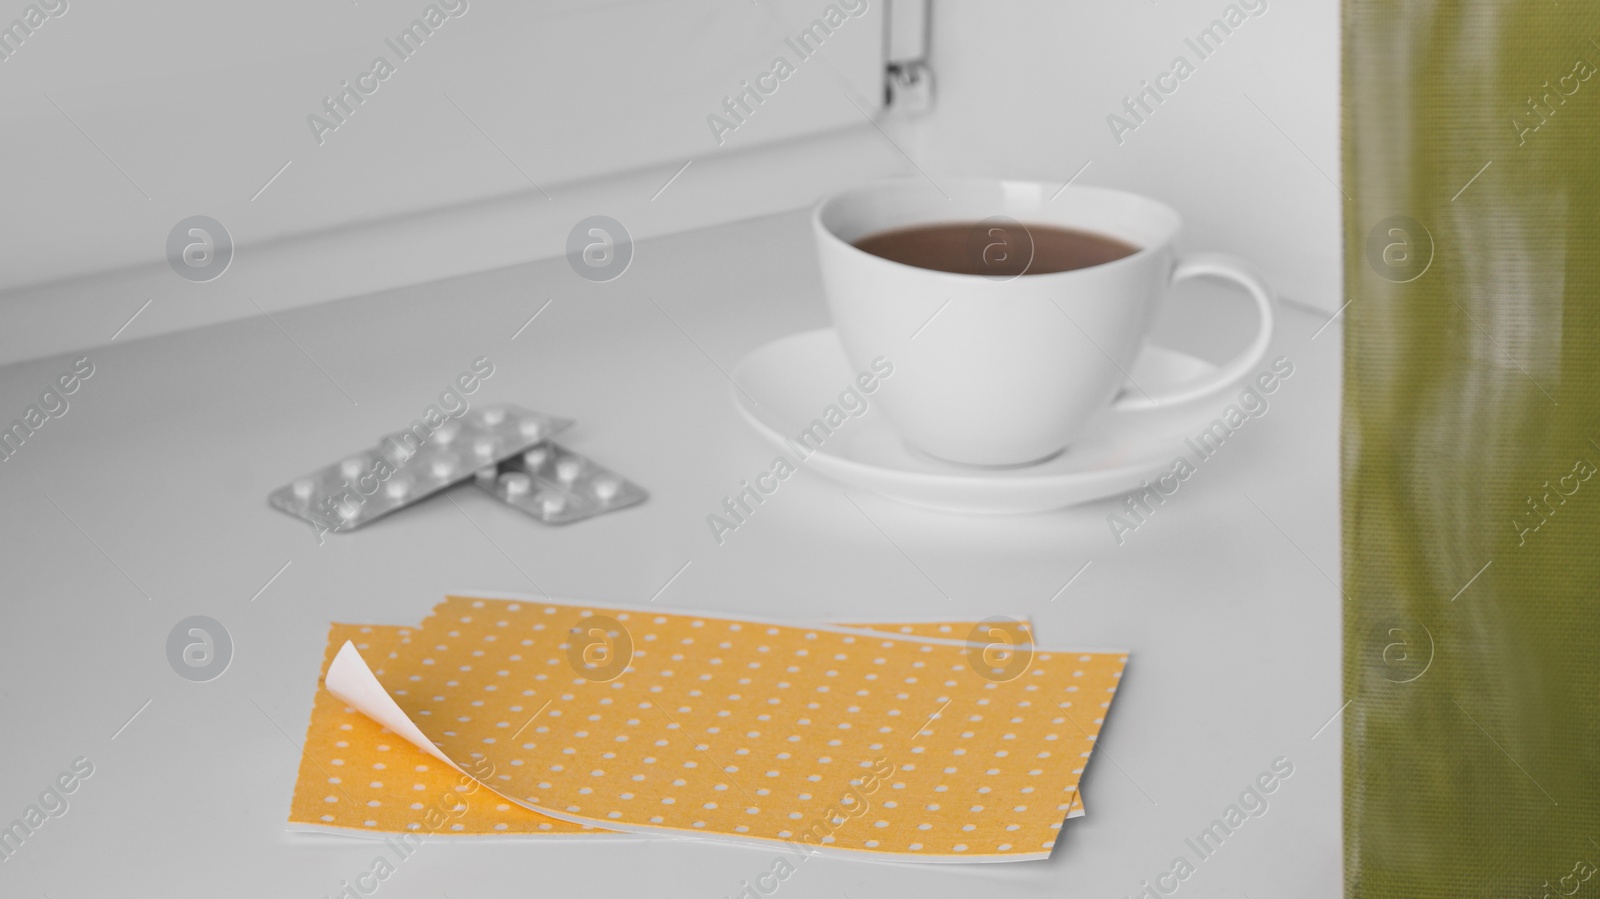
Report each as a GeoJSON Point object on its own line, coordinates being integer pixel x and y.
{"type": "Point", "coordinates": [908, 80]}
{"type": "Point", "coordinates": [909, 87]}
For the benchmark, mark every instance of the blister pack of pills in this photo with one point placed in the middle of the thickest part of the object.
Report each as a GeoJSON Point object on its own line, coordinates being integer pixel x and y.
{"type": "Point", "coordinates": [557, 486]}
{"type": "Point", "coordinates": [410, 465]}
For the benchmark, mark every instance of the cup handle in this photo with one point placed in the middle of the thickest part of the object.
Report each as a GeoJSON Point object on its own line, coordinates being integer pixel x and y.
{"type": "Point", "coordinates": [1228, 268]}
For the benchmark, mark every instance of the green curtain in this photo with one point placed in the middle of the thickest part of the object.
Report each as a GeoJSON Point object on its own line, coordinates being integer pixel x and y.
{"type": "Point", "coordinates": [1471, 436]}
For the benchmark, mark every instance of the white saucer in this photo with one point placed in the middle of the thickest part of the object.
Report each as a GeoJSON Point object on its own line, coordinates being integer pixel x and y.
{"type": "Point", "coordinates": [793, 379]}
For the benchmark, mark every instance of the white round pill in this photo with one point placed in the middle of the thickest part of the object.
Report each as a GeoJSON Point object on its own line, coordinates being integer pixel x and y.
{"type": "Point", "coordinates": [568, 470]}
{"type": "Point", "coordinates": [353, 467]}
{"type": "Point", "coordinates": [515, 483]}
{"type": "Point", "coordinates": [535, 457]}
{"type": "Point", "coordinates": [485, 447]}
{"type": "Point", "coordinates": [446, 433]}
{"type": "Point", "coordinates": [349, 511]}
{"type": "Point", "coordinates": [397, 488]}
{"type": "Point", "coordinates": [443, 466]}
{"type": "Point", "coordinates": [493, 415]}
{"type": "Point", "coordinates": [606, 487]}
{"type": "Point", "coordinates": [302, 489]}
{"type": "Point", "coordinates": [531, 429]}
{"type": "Point", "coordinates": [552, 503]}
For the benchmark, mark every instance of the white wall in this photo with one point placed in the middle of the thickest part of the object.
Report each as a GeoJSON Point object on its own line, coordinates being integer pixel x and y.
{"type": "Point", "coordinates": [196, 105]}
{"type": "Point", "coordinates": [1025, 87]}
{"type": "Point", "coordinates": [123, 118]}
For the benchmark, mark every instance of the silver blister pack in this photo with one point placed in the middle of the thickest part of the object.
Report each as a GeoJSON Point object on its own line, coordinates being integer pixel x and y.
{"type": "Point", "coordinates": [556, 485]}
{"type": "Point", "coordinates": [410, 465]}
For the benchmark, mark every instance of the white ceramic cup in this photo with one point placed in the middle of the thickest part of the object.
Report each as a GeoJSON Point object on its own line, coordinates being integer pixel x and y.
{"type": "Point", "coordinates": [1006, 371]}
